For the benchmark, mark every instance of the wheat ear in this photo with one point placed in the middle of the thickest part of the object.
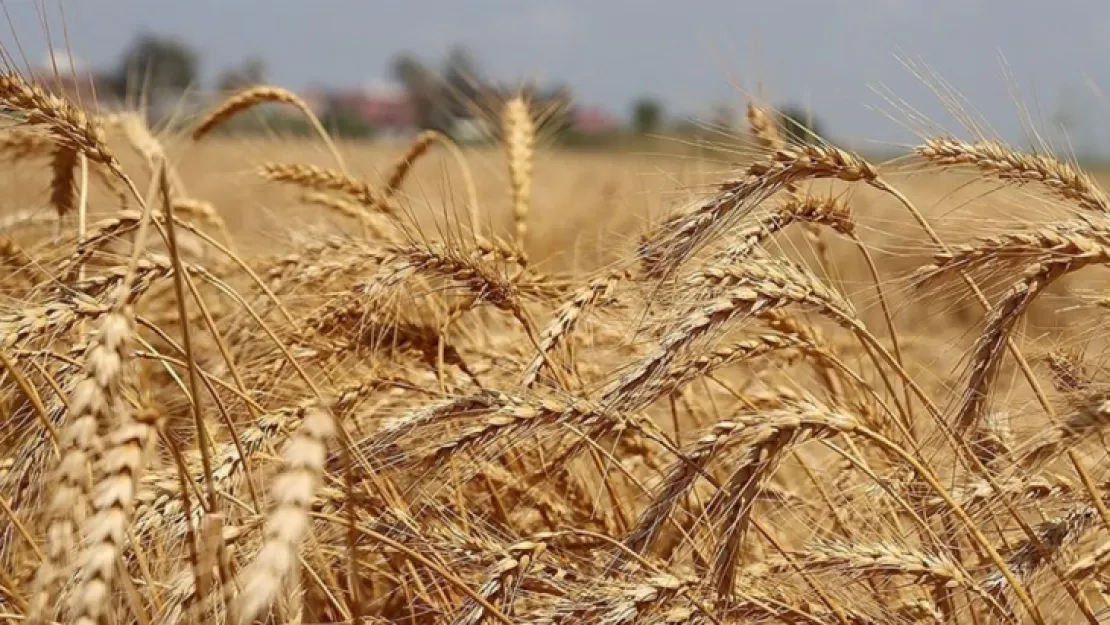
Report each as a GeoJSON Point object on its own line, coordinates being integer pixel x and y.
{"type": "Point", "coordinates": [683, 233]}
{"type": "Point", "coordinates": [96, 401]}
{"type": "Point", "coordinates": [404, 165]}
{"type": "Point", "coordinates": [117, 474]}
{"type": "Point", "coordinates": [253, 96]}
{"type": "Point", "coordinates": [288, 522]}
{"type": "Point", "coordinates": [1005, 164]}
{"type": "Point", "coordinates": [63, 184]}
{"type": "Point", "coordinates": [65, 121]}
{"type": "Point", "coordinates": [320, 179]}
{"type": "Point", "coordinates": [520, 138]}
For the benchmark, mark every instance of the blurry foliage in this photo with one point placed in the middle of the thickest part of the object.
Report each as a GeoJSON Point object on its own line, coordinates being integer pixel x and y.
{"type": "Point", "coordinates": [156, 65]}
{"type": "Point", "coordinates": [249, 73]}
{"type": "Point", "coordinates": [344, 123]}
{"type": "Point", "coordinates": [158, 70]}
{"type": "Point", "coordinates": [647, 115]}
{"type": "Point", "coordinates": [457, 89]}
{"type": "Point", "coordinates": [798, 125]}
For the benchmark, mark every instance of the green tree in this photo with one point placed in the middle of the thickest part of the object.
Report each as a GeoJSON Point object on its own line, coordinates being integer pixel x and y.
{"type": "Point", "coordinates": [555, 110]}
{"type": "Point", "coordinates": [341, 121]}
{"type": "Point", "coordinates": [462, 83]}
{"type": "Point", "coordinates": [157, 65]}
{"type": "Point", "coordinates": [647, 115]}
{"type": "Point", "coordinates": [798, 125]}
{"type": "Point", "coordinates": [422, 86]}
{"type": "Point", "coordinates": [249, 73]}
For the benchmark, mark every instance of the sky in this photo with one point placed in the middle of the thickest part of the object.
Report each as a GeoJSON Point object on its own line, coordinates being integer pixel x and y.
{"type": "Point", "coordinates": [837, 57]}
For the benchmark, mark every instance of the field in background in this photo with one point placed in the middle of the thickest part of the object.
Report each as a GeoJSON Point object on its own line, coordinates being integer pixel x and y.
{"type": "Point", "coordinates": [588, 208]}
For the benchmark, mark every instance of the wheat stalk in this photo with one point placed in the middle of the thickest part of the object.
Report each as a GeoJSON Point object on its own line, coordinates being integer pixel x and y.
{"type": "Point", "coordinates": [320, 179]}
{"type": "Point", "coordinates": [260, 94]}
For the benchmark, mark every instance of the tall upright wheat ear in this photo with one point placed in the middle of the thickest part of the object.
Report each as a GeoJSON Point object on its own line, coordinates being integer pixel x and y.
{"type": "Point", "coordinates": [117, 471]}
{"type": "Point", "coordinates": [114, 461]}
{"type": "Point", "coordinates": [520, 144]}
{"type": "Point", "coordinates": [288, 522]}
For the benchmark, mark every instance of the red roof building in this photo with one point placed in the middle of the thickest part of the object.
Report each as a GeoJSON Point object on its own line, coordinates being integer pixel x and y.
{"type": "Point", "coordinates": [593, 120]}
{"type": "Point", "coordinates": [383, 107]}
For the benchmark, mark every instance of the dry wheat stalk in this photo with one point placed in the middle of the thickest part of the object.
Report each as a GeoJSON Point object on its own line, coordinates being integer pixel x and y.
{"type": "Point", "coordinates": [766, 132]}
{"type": "Point", "coordinates": [885, 558]}
{"type": "Point", "coordinates": [68, 124]}
{"type": "Point", "coordinates": [18, 145]}
{"type": "Point", "coordinates": [751, 434]}
{"type": "Point", "coordinates": [1090, 564]}
{"type": "Point", "coordinates": [503, 582]}
{"type": "Point", "coordinates": [566, 318]}
{"type": "Point", "coordinates": [762, 445]}
{"type": "Point", "coordinates": [1079, 239]}
{"type": "Point", "coordinates": [318, 178]}
{"type": "Point", "coordinates": [683, 233]}
{"type": "Point", "coordinates": [1080, 253]}
{"type": "Point", "coordinates": [1092, 416]}
{"type": "Point", "coordinates": [259, 94]}
{"type": "Point", "coordinates": [117, 473]}
{"type": "Point", "coordinates": [1027, 557]}
{"type": "Point", "coordinates": [763, 128]}
{"type": "Point", "coordinates": [244, 100]}
{"type": "Point", "coordinates": [752, 286]}
{"type": "Point", "coordinates": [404, 165]}
{"type": "Point", "coordinates": [373, 225]}
{"type": "Point", "coordinates": [809, 210]}
{"type": "Point", "coordinates": [1069, 374]}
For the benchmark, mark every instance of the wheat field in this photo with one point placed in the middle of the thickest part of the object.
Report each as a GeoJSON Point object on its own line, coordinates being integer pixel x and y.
{"type": "Point", "coordinates": [267, 380]}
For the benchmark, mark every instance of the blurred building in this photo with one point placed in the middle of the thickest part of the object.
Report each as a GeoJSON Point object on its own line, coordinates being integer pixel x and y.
{"type": "Point", "coordinates": [382, 106]}
{"type": "Point", "coordinates": [594, 120]}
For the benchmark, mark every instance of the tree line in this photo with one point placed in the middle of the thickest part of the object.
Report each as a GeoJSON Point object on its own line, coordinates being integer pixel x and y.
{"type": "Point", "coordinates": [440, 93]}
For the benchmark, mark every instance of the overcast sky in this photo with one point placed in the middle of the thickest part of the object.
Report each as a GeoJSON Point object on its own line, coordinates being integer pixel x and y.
{"type": "Point", "coordinates": [827, 54]}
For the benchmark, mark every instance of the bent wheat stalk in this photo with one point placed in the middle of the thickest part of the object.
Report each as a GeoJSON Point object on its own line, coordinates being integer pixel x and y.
{"type": "Point", "coordinates": [1008, 165]}
{"type": "Point", "coordinates": [254, 96]}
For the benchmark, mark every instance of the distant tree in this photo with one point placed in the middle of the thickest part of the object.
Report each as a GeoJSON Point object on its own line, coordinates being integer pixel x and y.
{"type": "Point", "coordinates": [724, 117]}
{"type": "Point", "coordinates": [463, 82]}
{"type": "Point", "coordinates": [454, 94]}
{"type": "Point", "coordinates": [558, 109]}
{"type": "Point", "coordinates": [423, 88]}
{"type": "Point", "coordinates": [156, 65]}
{"type": "Point", "coordinates": [249, 73]}
{"type": "Point", "coordinates": [1068, 125]}
{"type": "Point", "coordinates": [552, 107]}
{"type": "Point", "coordinates": [340, 121]}
{"type": "Point", "coordinates": [647, 115]}
{"type": "Point", "coordinates": [798, 125]}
